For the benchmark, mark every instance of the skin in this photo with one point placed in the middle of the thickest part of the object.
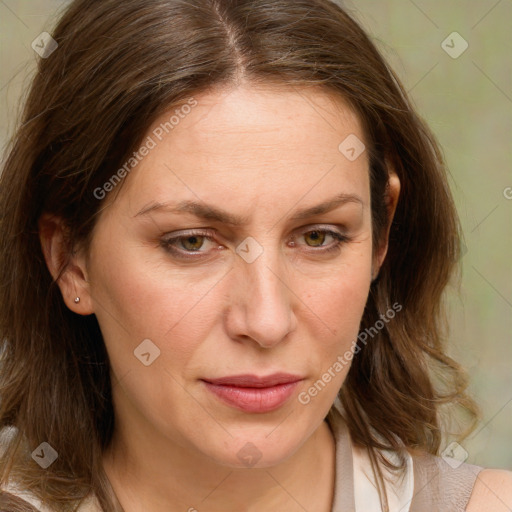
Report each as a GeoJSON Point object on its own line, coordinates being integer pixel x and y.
{"type": "Point", "coordinates": [492, 492]}
{"type": "Point", "coordinates": [264, 154]}
{"type": "Point", "coordinates": [175, 446]}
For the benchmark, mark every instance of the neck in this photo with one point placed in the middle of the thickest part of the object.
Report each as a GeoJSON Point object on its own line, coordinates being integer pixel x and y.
{"type": "Point", "coordinates": [151, 475]}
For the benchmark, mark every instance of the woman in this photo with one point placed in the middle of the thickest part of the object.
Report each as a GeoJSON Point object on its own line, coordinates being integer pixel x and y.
{"type": "Point", "coordinates": [225, 238]}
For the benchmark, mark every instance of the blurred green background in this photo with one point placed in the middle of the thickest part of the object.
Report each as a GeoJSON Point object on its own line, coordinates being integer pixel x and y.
{"type": "Point", "coordinates": [466, 97]}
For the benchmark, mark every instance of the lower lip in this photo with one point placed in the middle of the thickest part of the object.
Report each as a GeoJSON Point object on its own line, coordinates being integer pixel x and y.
{"type": "Point", "coordinates": [254, 399]}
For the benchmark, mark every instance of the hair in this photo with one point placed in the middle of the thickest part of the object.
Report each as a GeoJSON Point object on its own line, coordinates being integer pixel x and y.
{"type": "Point", "coordinates": [120, 65]}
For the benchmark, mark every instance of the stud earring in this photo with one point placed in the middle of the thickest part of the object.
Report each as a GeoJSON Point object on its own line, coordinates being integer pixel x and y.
{"type": "Point", "coordinates": [77, 300]}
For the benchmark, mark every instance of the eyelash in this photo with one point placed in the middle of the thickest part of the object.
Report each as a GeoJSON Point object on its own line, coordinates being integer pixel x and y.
{"type": "Point", "coordinates": [168, 243]}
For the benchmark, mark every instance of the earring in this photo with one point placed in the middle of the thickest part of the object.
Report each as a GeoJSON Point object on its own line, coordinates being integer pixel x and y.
{"type": "Point", "coordinates": [77, 300]}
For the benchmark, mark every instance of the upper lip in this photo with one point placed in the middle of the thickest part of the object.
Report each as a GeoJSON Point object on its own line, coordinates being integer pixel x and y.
{"type": "Point", "coordinates": [255, 381]}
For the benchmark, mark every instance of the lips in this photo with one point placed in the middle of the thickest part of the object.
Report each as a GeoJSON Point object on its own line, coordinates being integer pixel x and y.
{"type": "Point", "coordinates": [253, 381]}
{"type": "Point", "coordinates": [252, 393]}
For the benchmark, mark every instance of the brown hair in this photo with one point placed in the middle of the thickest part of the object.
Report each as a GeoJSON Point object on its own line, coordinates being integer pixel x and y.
{"type": "Point", "coordinates": [118, 67]}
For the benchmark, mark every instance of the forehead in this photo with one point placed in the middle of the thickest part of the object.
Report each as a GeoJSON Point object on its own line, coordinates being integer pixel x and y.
{"type": "Point", "coordinates": [278, 118]}
{"type": "Point", "coordinates": [252, 140]}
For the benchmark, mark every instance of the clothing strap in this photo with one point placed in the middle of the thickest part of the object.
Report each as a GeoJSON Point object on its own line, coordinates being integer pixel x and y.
{"type": "Point", "coordinates": [439, 485]}
{"type": "Point", "coordinates": [343, 500]}
{"type": "Point", "coordinates": [442, 485]}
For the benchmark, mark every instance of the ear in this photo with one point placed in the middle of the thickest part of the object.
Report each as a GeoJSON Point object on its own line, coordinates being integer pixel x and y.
{"type": "Point", "coordinates": [67, 268]}
{"type": "Point", "coordinates": [392, 194]}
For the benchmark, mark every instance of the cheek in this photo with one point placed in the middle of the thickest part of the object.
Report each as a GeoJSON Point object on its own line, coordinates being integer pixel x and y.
{"type": "Point", "coordinates": [338, 301]}
{"type": "Point", "coordinates": [175, 313]}
{"type": "Point", "coordinates": [339, 295]}
{"type": "Point", "coordinates": [137, 300]}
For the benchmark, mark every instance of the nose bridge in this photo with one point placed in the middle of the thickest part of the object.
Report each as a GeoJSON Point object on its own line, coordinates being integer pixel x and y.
{"type": "Point", "coordinates": [266, 280]}
{"type": "Point", "coordinates": [265, 295]}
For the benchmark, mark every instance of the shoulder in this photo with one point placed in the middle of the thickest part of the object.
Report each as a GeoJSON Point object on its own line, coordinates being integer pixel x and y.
{"type": "Point", "coordinates": [492, 492]}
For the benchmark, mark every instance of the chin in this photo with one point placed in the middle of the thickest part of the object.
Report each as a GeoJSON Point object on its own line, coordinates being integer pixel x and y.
{"type": "Point", "coordinates": [257, 449]}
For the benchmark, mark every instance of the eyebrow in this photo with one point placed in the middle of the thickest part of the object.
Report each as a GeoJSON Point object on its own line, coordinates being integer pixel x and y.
{"type": "Point", "coordinates": [208, 212]}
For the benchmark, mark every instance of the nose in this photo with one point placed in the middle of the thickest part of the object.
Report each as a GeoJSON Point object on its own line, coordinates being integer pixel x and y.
{"type": "Point", "coordinates": [261, 305]}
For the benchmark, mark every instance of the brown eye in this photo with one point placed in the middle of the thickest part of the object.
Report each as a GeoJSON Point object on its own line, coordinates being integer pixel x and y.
{"type": "Point", "coordinates": [192, 243]}
{"type": "Point", "coordinates": [317, 238]}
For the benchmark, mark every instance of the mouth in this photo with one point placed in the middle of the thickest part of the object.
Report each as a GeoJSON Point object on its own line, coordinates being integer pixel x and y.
{"type": "Point", "coordinates": [254, 394]}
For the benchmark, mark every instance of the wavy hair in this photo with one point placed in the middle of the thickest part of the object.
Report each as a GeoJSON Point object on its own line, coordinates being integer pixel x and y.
{"type": "Point", "coordinates": [119, 65]}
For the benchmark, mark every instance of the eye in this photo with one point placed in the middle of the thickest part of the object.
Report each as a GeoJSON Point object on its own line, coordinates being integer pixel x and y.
{"type": "Point", "coordinates": [191, 245]}
{"type": "Point", "coordinates": [185, 245]}
{"type": "Point", "coordinates": [193, 242]}
{"type": "Point", "coordinates": [315, 238]}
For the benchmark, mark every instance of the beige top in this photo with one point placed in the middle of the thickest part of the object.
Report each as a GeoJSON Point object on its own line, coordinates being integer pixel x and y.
{"type": "Point", "coordinates": [430, 483]}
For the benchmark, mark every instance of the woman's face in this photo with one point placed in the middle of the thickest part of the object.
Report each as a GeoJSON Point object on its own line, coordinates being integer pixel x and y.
{"type": "Point", "coordinates": [239, 246]}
